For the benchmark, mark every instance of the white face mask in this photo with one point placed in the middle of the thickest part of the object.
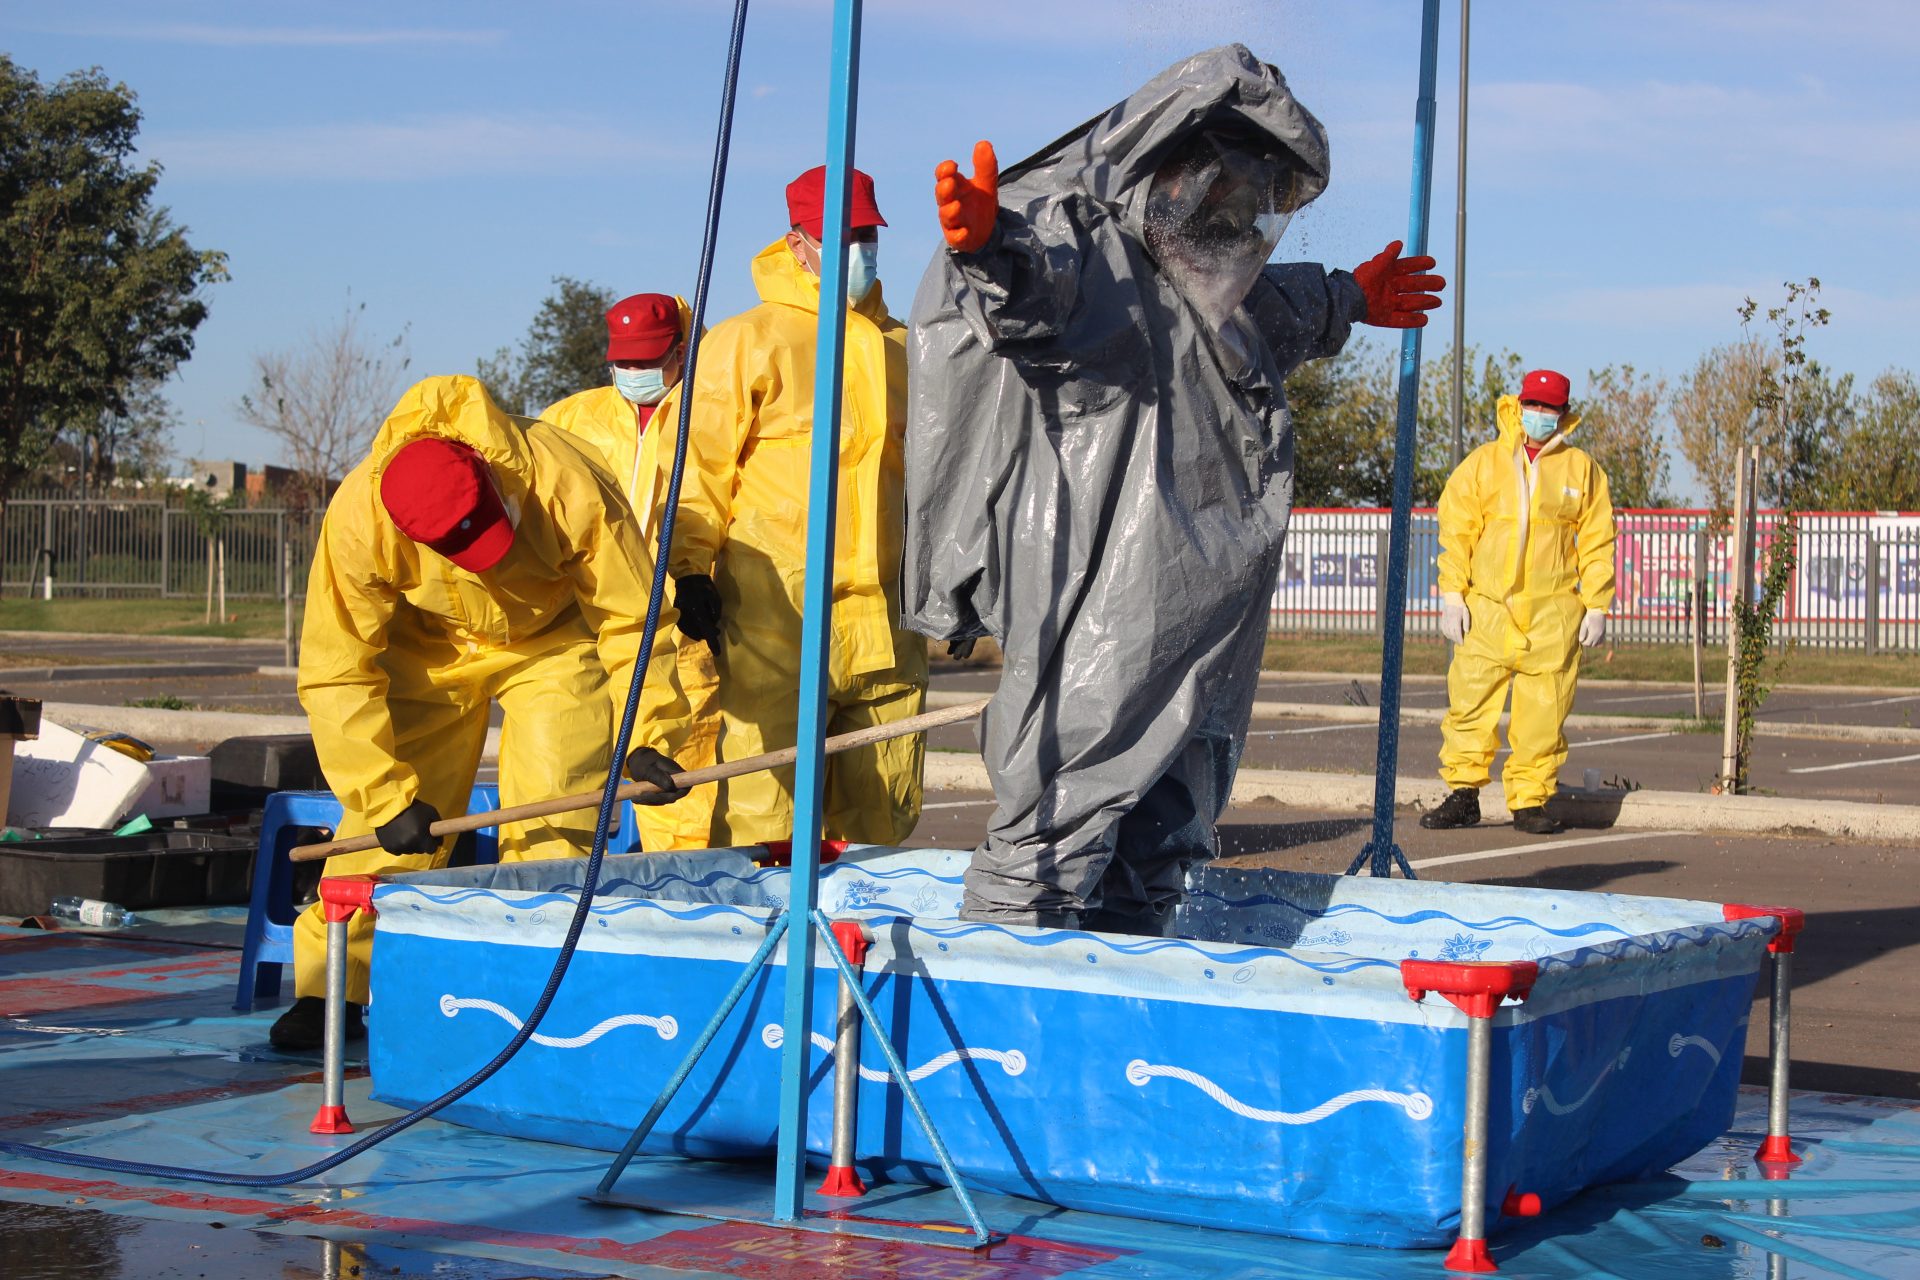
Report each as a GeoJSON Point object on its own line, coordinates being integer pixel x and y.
{"type": "Point", "coordinates": [863, 266]}
{"type": "Point", "coordinates": [641, 386]}
{"type": "Point", "coordinates": [1539, 424]}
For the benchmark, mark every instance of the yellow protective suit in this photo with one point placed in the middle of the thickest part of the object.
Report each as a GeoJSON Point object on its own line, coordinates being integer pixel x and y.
{"type": "Point", "coordinates": [402, 652]}
{"type": "Point", "coordinates": [605, 420]}
{"type": "Point", "coordinates": [1529, 545]}
{"type": "Point", "coordinates": [743, 521]}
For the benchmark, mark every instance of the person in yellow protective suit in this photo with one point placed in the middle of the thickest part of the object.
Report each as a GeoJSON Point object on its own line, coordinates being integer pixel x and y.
{"type": "Point", "coordinates": [467, 559]}
{"type": "Point", "coordinates": [1526, 579]}
{"type": "Point", "coordinates": [740, 538]}
{"type": "Point", "coordinates": [646, 347]}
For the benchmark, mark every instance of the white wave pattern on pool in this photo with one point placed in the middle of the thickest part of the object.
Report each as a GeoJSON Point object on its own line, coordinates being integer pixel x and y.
{"type": "Point", "coordinates": [1680, 1042]}
{"type": "Point", "coordinates": [1418, 1106]}
{"type": "Point", "coordinates": [1011, 1061]}
{"type": "Point", "coordinates": [1543, 1096]}
{"type": "Point", "coordinates": [666, 1025]}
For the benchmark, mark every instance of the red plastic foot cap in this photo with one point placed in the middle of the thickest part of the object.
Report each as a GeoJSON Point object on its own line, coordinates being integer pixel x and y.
{"type": "Point", "coordinates": [330, 1120]}
{"type": "Point", "coordinates": [844, 1182]}
{"type": "Point", "coordinates": [1470, 1255]}
{"type": "Point", "coordinates": [1777, 1149]}
{"type": "Point", "coordinates": [1521, 1204]}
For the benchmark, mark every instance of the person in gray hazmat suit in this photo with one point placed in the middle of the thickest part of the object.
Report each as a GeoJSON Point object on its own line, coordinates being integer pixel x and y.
{"type": "Point", "coordinates": [1099, 469]}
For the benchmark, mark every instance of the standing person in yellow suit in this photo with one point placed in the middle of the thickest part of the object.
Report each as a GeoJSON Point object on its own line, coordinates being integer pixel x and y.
{"type": "Point", "coordinates": [1526, 579]}
{"type": "Point", "coordinates": [647, 347]}
{"type": "Point", "coordinates": [467, 559]}
{"type": "Point", "coordinates": [740, 537]}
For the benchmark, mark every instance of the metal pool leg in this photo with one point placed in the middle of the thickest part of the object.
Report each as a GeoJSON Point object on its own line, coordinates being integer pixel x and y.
{"type": "Point", "coordinates": [1777, 1149]}
{"type": "Point", "coordinates": [1476, 988]}
{"type": "Point", "coordinates": [340, 897]}
{"type": "Point", "coordinates": [842, 1178]}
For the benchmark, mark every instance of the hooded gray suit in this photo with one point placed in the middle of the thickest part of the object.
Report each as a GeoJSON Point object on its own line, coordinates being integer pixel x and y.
{"type": "Point", "coordinates": [1101, 480]}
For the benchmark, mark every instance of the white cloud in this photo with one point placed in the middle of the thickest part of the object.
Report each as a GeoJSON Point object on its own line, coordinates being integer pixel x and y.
{"type": "Point", "coordinates": [296, 37]}
{"type": "Point", "coordinates": [420, 148]}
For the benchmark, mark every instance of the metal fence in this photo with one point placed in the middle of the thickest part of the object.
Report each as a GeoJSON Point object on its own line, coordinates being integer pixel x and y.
{"type": "Point", "coordinates": [1855, 584]}
{"type": "Point", "coordinates": [145, 548]}
{"type": "Point", "coordinates": [1856, 581]}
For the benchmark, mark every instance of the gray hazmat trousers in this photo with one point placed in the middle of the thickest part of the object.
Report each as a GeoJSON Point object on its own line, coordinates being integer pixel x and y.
{"type": "Point", "coordinates": [1101, 481]}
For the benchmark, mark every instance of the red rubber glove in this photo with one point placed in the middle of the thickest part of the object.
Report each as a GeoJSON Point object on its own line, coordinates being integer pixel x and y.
{"type": "Point", "coordinates": [1398, 290]}
{"type": "Point", "coordinates": [968, 206]}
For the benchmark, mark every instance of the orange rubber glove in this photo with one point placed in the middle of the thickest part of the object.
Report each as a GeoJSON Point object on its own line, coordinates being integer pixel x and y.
{"type": "Point", "coordinates": [1398, 292]}
{"type": "Point", "coordinates": [968, 206]}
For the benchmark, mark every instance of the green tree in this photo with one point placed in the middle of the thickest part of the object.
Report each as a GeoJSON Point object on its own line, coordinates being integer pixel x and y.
{"type": "Point", "coordinates": [1622, 427]}
{"type": "Point", "coordinates": [1874, 464]}
{"type": "Point", "coordinates": [1342, 431]}
{"type": "Point", "coordinates": [1489, 375]}
{"type": "Point", "coordinates": [100, 293]}
{"type": "Point", "coordinates": [565, 350]}
{"type": "Point", "coordinates": [1713, 415]}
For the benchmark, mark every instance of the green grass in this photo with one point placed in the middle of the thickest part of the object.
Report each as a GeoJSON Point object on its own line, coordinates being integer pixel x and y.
{"type": "Point", "coordinates": [164, 702]}
{"type": "Point", "coordinates": [251, 619]}
{"type": "Point", "coordinates": [1425, 655]}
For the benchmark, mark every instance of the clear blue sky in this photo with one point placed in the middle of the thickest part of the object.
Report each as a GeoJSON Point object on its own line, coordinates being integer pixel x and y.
{"type": "Point", "coordinates": [1637, 165]}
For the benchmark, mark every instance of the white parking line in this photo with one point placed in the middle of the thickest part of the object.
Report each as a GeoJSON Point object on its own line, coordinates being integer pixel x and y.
{"type": "Point", "coordinates": [1608, 742]}
{"type": "Point", "coordinates": [1319, 728]}
{"type": "Point", "coordinates": [1854, 764]}
{"type": "Point", "coordinates": [1646, 697]}
{"type": "Point", "coordinates": [956, 804]}
{"type": "Point", "coordinates": [1543, 846]}
{"type": "Point", "coordinates": [1886, 702]}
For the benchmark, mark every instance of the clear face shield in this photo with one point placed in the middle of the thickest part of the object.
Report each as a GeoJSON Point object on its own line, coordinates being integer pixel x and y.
{"type": "Point", "coordinates": [1214, 214]}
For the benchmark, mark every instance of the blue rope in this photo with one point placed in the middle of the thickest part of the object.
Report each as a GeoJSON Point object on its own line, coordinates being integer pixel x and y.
{"type": "Point", "coordinates": [608, 795]}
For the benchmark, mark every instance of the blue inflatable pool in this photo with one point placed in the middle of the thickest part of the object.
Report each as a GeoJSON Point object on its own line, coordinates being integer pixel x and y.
{"type": "Point", "coordinates": [1265, 1071]}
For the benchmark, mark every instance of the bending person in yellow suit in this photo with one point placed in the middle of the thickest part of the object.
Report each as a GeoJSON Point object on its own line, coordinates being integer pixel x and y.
{"type": "Point", "coordinates": [646, 346]}
{"type": "Point", "coordinates": [740, 537]}
{"type": "Point", "coordinates": [468, 559]}
{"type": "Point", "coordinates": [1526, 579]}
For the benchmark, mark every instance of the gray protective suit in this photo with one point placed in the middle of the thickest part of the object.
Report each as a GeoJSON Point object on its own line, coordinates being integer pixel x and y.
{"type": "Point", "coordinates": [1101, 481]}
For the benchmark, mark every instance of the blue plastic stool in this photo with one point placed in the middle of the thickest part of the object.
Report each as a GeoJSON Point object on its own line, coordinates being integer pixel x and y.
{"type": "Point", "coordinates": [269, 938]}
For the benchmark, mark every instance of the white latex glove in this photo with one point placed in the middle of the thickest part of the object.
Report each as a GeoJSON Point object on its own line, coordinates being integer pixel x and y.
{"type": "Point", "coordinates": [1593, 628]}
{"type": "Point", "coordinates": [1455, 621]}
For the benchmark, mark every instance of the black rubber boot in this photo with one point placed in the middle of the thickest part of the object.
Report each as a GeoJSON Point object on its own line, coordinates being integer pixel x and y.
{"type": "Point", "coordinates": [1535, 822]}
{"type": "Point", "coordinates": [1461, 809]}
{"type": "Point", "coordinates": [303, 1027]}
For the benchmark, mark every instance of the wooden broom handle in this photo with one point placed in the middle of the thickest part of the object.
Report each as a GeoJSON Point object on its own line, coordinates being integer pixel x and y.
{"type": "Point", "coordinates": [692, 778]}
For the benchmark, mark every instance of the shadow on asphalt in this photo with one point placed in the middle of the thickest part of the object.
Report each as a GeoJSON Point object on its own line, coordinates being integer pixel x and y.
{"type": "Point", "coordinates": [1582, 877]}
{"type": "Point", "coordinates": [1830, 1077]}
{"type": "Point", "coordinates": [1240, 839]}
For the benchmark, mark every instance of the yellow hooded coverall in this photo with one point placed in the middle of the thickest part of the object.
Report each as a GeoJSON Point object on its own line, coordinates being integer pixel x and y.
{"type": "Point", "coordinates": [743, 521]}
{"type": "Point", "coordinates": [605, 420]}
{"type": "Point", "coordinates": [1529, 545]}
{"type": "Point", "coordinates": [402, 652]}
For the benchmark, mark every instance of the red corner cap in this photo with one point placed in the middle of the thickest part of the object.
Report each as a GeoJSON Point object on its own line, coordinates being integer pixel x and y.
{"type": "Point", "coordinates": [779, 853]}
{"type": "Point", "coordinates": [1792, 921]}
{"type": "Point", "coordinates": [853, 940]}
{"type": "Point", "coordinates": [341, 896]}
{"type": "Point", "coordinates": [1475, 987]}
{"type": "Point", "coordinates": [1470, 1255]}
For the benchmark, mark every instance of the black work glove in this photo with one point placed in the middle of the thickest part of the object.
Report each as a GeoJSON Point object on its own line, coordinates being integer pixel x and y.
{"type": "Point", "coordinates": [644, 764]}
{"type": "Point", "coordinates": [698, 601]}
{"type": "Point", "coordinates": [407, 832]}
{"type": "Point", "coordinates": [960, 650]}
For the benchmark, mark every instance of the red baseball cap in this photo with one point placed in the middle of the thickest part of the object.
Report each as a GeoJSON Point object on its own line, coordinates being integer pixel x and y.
{"type": "Point", "coordinates": [1544, 386]}
{"type": "Point", "coordinates": [807, 198]}
{"type": "Point", "coordinates": [441, 495]}
{"type": "Point", "coordinates": [642, 327]}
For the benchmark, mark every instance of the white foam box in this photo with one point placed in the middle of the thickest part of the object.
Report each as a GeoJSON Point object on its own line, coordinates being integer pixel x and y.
{"type": "Point", "coordinates": [177, 786]}
{"type": "Point", "coordinates": [61, 779]}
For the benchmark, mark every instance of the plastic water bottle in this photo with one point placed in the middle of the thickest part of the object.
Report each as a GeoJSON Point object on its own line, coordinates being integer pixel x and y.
{"type": "Point", "coordinates": [109, 915]}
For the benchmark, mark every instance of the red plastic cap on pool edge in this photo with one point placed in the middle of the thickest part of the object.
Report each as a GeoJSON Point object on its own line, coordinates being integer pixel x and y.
{"type": "Point", "coordinates": [1792, 921]}
{"type": "Point", "coordinates": [1470, 1255]}
{"type": "Point", "coordinates": [331, 1120]}
{"type": "Point", "coordinates": [1520, 1204]}
{"type": "Point", "coordinates": [853, 940]}
{"type": "Point", "coordinates": [779, 853]}
{"type": "Point", "coordinates": [341, 896]}
{"type": "Point", "coordinates": [1777, 1150]}
{"type": "Point", "coordinates": [1475, 987]}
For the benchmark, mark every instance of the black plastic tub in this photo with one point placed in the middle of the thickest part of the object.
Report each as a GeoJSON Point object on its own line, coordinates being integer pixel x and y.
{"type": "Point", "coordinates": [161, 868]}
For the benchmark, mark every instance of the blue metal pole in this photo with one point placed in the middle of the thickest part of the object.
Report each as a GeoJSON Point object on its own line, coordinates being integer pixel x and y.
{"type": "Point", "coordinates": [1382, 850]}
{"type": "Point", "coordinates": [816, 618]}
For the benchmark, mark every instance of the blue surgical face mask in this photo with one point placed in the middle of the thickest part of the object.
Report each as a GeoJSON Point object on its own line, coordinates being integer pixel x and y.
{"type": "Point", "coordinates": [1539, 423]}
{"type": "Point", "coordinates": [641, 386]}
{"type": "Point", "coordinates": [863, 269]}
